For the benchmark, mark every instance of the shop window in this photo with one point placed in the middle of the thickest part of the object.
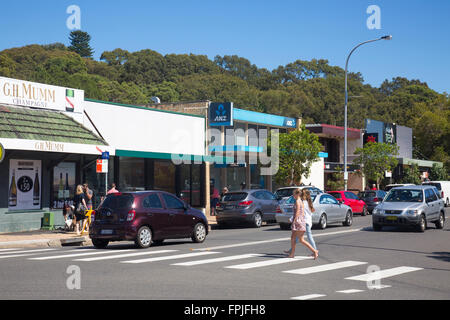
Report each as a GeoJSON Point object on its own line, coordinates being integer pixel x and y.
{"type": "Point", "coordinates": [63, 184]}
{"type": "Point", "coordinates": [131, 174]}
{"type": "Point", "coordinates": [164, 176]}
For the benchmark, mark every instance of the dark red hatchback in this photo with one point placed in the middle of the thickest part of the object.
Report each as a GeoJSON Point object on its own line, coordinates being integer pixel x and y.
{"type": "Point", "coordinates": [146, 217]}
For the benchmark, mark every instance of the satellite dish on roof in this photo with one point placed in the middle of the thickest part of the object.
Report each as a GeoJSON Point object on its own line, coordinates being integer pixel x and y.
{"type": "Point", "coordinates": [155, 100]}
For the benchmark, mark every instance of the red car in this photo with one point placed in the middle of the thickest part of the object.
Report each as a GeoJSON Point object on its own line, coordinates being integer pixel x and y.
{"type": "Point", "coordinates": [352, 200]}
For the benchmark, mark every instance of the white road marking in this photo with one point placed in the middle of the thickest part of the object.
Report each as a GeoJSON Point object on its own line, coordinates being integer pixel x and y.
{"type": "Point", "coordinates": [125, 255]}
{"type": "Point", "coordinates": [177, 256]}
{"type": "Point", "coordinates": [228, 258]}
{"type": "Point", "coordinates": [326, 267]}
{"type": "Point", "coordinates": [25, 251]}
{"type": "Point", "coordinates": [349, 291]}
{"type": "Point", "coordinates": [377, 275]}
{"type": "Point", "coordinates": [378, 287]}
{"type": "Point", "coordinates": [309, 296]}
{"type": "Point", "coordinates": [272, 240]}
{"type": "Point", "coordinates": [9, 249]}
{"type": "Point", "coordinates": [265, 263]}
{"type": "Point", "coordinates": [72, 255]}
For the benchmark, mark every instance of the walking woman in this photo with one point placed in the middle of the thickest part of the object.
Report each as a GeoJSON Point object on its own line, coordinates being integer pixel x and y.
{"type": "Point", "coordinates": [309, 209]}
{"type": "Point", "coordinates": [299, 226]}
{"type": "Point", "coordinates": [79, 202]}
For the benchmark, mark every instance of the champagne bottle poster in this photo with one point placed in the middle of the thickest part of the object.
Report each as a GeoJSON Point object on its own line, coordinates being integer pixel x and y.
{"type": "Point", "coordinates": [63, 184]}
{"type": "Point", "coordinates": [25, 184]}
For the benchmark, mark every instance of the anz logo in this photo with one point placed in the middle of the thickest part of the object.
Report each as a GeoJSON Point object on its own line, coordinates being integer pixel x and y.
{"type": "Point", "coordinates": [221, 114]}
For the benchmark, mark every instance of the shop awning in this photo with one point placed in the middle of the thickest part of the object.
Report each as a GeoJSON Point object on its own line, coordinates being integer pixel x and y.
{"type": "Point", "coordinates": [24, 128]}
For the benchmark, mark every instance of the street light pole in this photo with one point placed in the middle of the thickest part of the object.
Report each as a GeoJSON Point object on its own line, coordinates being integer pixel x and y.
{"type": "Point", "coordinates": [389, 37]}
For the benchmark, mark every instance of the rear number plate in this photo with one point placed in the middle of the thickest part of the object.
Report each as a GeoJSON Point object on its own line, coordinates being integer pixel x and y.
{"type": "Point", "coordinates": [392, 218]}
{"type": "Point", "coordinates": [106, 231]}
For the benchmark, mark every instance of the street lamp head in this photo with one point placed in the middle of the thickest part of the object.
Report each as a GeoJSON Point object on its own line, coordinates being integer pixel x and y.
{"type": "Point", "coordinates": [389, 37]}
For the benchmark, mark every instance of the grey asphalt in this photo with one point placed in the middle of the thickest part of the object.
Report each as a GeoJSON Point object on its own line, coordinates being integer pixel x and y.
{"type": "Point", "coordinates": [25, 278]}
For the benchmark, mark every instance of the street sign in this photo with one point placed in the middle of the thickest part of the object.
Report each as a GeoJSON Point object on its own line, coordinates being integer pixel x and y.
{"type": "Point", "coordinates": [102, 166]}
{"type": "Point", "coordinates": [105, 155]}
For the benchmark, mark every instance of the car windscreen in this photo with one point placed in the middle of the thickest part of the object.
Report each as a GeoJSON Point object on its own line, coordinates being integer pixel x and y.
{"type": "Point", "coordinates": [435, 184]}
{"type": "Point", "coordinates": [367, 194]}
{"type": "Point", "coordinates": [118, 202]}
{"type": "Point", "coordinates": [402, 195]}
{"type": "Point", "coordinates": [291, 200]}
{"type": "Point", "coordinates": [337, 195]}
{"type": "Point", "coordinates": [284, 192]}
{"type": "Point", "coordinates": [238, 196]}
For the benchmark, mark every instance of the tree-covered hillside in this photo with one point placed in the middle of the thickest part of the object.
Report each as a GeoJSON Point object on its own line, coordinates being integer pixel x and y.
{"type": "Point", "coordinates": [312, 90]}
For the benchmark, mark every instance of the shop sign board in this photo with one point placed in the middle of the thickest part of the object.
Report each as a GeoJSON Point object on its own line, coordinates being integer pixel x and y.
{"type": "Point", "coordinates": [220, 114]}
{"type": "Point", "coordinates": [24, 192]}
{"type": "Point", "coordinates": [39, 95]}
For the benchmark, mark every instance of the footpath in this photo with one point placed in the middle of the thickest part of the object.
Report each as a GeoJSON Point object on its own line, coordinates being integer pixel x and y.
{"type": "Point", "coordinates": [52, 238]}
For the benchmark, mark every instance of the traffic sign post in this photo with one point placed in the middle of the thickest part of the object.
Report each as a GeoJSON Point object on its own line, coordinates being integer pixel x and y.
{"type": "Point", "coordinates": [102, 167]}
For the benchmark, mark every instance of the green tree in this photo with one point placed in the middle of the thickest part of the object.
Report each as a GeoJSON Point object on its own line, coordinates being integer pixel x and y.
{"type": "Point", "coordinates": [412, 174]}
{"type": "Point", "coordinates": [375, 159]}
{"type": "Point", "coordinates": [438, 173]}
{"type": "Point", "coordinates": [336, 182]}
{"type": "Point", "coordinates": [299, 149]}
{"type": "Point", "coordinates": [79, 43]}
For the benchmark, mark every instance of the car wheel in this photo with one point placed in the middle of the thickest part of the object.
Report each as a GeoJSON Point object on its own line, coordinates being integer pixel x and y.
{"type": "Point", "coordinates": [100, 243]}
{"type": "Point", "coordinates": [257, 220]}
{"type": "Point", "coordinates": [422, 224]}
{"type": "Point", "coordinates": [441, 221]}
{"type": "Point", "coordinates": [365, 211]}
{"type": "Point", "coordinates": [348, 219]}
{"type": "Point", "coordinates": [144, 237]}
{"type": "Point", "coordinates": [377, 227]}
{"type": "Point", "coordinates": [199, 233]}
{"type": "Point", "coordinates": [323, 221]}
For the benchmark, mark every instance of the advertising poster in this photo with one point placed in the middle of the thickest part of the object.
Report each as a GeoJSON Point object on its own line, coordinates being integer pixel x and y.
{"type": "Point", "coordinates": [63, 184]}
{"type": "Point", "coordinates": [24, 192]}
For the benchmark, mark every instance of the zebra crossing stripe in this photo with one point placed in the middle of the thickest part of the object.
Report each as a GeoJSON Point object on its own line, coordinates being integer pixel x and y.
{"type": "Point", "coordinates": [72, 255]}
{"type": "Point", "coordinates": [125, 255]}
{"type": "Point", "coordinates": [326, 267]}
{"type": "Point", "coordinates": [266, 263]}
{"type": "Point", "coordinates": [9, 249]}
{"type": "Point", "coordinates": [24, 251]}
{"type": "Point", "coordinates": [177, 256]}
{"type": "Point", "coordinates": [378, 275]}
{"type": "Point", "coordinates": [349, 291]}
{"type": "Point", "coordinates": [308, 297]}
{"type": "Point", "coordinates": [222, 259]}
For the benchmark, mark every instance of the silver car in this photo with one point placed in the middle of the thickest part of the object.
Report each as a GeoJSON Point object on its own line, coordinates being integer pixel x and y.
{"type": "Point", "coordinates": [284, 193]}
{"type": "Point", "coordinates": [251, 206]}
{"type": "Point", "coordinates": [410, 206]}
{"type": "Point", "coordinates": [327, 211]}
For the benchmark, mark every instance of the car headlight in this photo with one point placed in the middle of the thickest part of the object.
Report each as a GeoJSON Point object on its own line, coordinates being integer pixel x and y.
{"type": "Point", "coordinates": [412, 212]}
{"type": "Point", "coordinates": [378, 211]}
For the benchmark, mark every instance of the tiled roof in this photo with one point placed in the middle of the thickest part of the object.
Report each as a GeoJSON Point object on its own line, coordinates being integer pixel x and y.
{"type": "Point", "coordinates": [32, 124]}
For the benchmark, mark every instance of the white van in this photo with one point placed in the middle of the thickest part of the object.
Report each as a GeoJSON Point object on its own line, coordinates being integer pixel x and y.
{"type": "Point", "coordinates": [444, 189]}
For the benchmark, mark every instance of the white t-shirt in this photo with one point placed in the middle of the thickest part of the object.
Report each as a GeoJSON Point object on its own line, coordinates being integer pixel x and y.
{"type": "Point", "coordinates": [308, 213]}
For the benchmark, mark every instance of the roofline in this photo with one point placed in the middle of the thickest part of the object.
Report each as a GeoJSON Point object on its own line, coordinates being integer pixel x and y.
{"type": "Point", "coordinates": [143, 108]}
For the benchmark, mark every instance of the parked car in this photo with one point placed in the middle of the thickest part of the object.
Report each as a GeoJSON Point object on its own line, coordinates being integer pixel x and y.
{"type": "Point", "coordinates": [146, 217]}
{"type": "Point", "coordinates": [327, 211]}
{"type": "Point", "coordinates": [390, 186]}
{"type": "Point", "coordinates": [251, 206]}
{"type": "Point", "coordinates": [410, 206]}
{"type": "Point", "coordinates": [372, 198]}
{"type": "Point", "coordinates": [352, 200]}
{"type": "Point", "coordinates": [444, 189]}
{"type": "Point", "coordinates": [285, 192]}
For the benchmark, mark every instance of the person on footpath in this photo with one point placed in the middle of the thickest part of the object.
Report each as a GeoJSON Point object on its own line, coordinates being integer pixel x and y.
{"type": "Point", "coordinates": [79, 203]}
{"type": "Point", "coordinates": [299, 226]}
{"type": "Point", "coordinates": [113, 189]}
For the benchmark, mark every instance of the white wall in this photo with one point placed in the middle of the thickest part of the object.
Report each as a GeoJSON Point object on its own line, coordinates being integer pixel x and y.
{"type": "Point", "coordinates": [136, 129]}
{"type": "Point", "coordinates": [316, 177]}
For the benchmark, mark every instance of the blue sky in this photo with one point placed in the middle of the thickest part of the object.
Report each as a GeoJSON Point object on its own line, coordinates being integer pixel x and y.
{"type": "Point", "coordinates": [268, 33]}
